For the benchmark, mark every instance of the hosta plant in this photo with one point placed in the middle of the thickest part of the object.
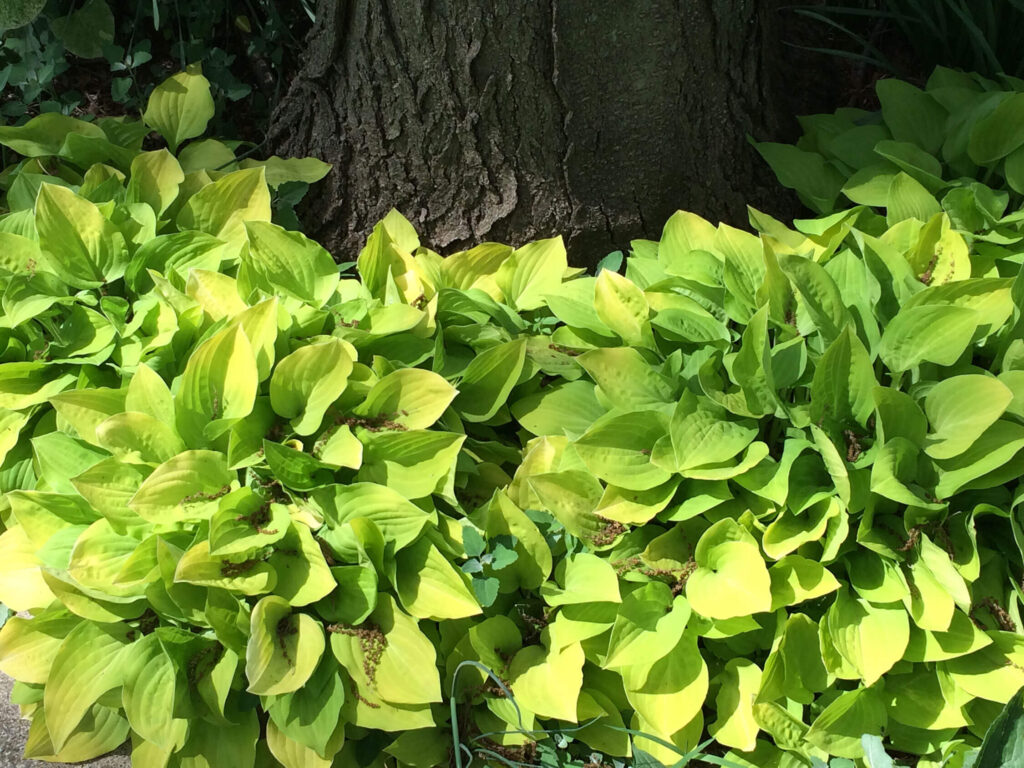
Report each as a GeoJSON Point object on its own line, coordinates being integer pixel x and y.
{"type": "Point", "coordinates": [760, 489]}
{"type": "Point", "coordinates": [957, 145]}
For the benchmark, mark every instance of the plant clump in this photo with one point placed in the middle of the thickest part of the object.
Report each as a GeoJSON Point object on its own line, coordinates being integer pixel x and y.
{"type": "Point", "coordinates": [756, 487]}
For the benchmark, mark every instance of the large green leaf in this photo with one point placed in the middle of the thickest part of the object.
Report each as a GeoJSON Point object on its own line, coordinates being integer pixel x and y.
{"type": "Point", "coordinates": [87, 664]}
{"type": "Point", "coordinates": [182, 488]}
{"type": "Point", "coordinates": [488, 380]}
{"type": "Point", "coordinates": [289, 262]}
{"type": "Point", "coordinates": [399, 520]}
{"type": "Point", "coordinates": [284, 648]}
{"type": "Point", "coordinates": [410, 397]}
{"type": "Point", "coordinates": [668, 692]}
{"type": "Point", "coordinates": [180, 107]}
{"type": "Point", "coordinates": [531, 272]}
{"type": "Point", "coordinates": [960, 409]}
{"type": "Point", "coordinates": [219, 385]}
{"type": "Point", "coordinates": [308, 381]}
{"type": "Point", "coordinates": [730, 578]}
{"type": "Point", "coordinates": [223, 207]}
{"type": "Point", "coordinates": [81, 245]}
{"type": "Point", "coordinates": [870, 637]}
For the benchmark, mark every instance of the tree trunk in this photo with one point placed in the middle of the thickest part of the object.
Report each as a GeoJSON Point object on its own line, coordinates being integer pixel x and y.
{"type": "Point", "coordinates": [510, 120]}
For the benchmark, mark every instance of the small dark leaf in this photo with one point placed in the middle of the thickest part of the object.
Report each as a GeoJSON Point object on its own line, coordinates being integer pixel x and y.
{"type": "Point", "coordinates": [486, 590]}
{"type": "Point", "coordinates": [502, 557]}
{"type": "Point", "coordinates": [473, 542]}
{"type": "Point", "coordinates": [612, 262]}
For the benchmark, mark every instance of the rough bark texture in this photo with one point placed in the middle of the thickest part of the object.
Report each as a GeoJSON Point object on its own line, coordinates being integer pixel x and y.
{"type": "Point", "coordinates": [508, 120]}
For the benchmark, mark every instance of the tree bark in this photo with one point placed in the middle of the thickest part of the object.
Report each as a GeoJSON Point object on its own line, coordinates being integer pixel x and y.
{"type": "Point", "coordinates": [509, 120]}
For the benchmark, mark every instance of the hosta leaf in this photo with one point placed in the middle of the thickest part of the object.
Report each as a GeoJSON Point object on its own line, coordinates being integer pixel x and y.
{"type": "Point", "coordinates": [870, 637]}
{"type": "Point", "coordinates": [844, 381]}
{"type": "Point", "coordinates": [928, 333]}
{"type": "Point", "coordinates": [147, 393]}
{"type": "Point", "coordinates": [703, 433]}
{"type": "Point", "coordinates": [303, 576]}
{"type": "Point", "coordinates": [618, 450]}
{"type": "Point", "coordinates": [961, 639]}
{"type": "Point", "coordinates": [587, 579]}
{"type": "Point", "coordinates": [211, 745]}
{"type": "Point", "coordinates": [795, 579]}
{"type": "Point", "coordinates": [83, 247]}
{"type": "Point", "coordinates": [155, 178]}
{"type": "Point", "coordinates": [668, 692]}
{"type": "Point", "coordinates": [180, 107]}
{"type": "Point", "coordinates": [625, 378]}
{"type": "Point", "coordinates": [410, 397]}
{"type": "Point", "coordinates": [820, 296]}
{"type": "Point", "coordinates": [531, 272]}
{"type": "Point", "coordinates": [635, 507]}
{"type": "Point", "coordinates": [290, 263]}
{"type": "Point", "coordinates": [307, 381]}
{"type": "Point", "coordinates": [219, 383]}
{"type": "Point", "coordinates": [996, 446]}
{"type": "Point", "coordinates": [731, 578]}
{"type": "Point", "coordinates": [138, 438]}
{"type": "Point", "coordinates": [98, 556]}
{"type": "Point", "coordinates": [87, 665]}
{"type": "Point", "coordinates": [794, 669]}
{"type": "Point", "coordinates": [85, 409]}
{"type": "Point", "coordinates": [185, 487]}
{"type": "Point", "coordinates": [28, 646]}
{"type": "Point", "coordinates": [281, 170]}
{"type": "Point", "coordinates": [736, 725]}
{"type": "Point", "coordinates": [839, 727]}
{"type": "Point", "coordinates": [22, 586]}
{"type": "Point", "coordinates": [488, 380]}
{"type": "Point", "coordinates": [547, 681]}
{"type": "Point", "coordinates": [245, 521]}
{"type": "Point", "coordinates": [44, 134]}
{"type": "Point", "coordinates": [398, 519]}
{"type": "Point", "coordinates": [310, 715]}
{"type": "Point", "coordinates": [150, 682]}
{"type": "Point", "coordinates": [23, 385]}
{"type": "Point", "coordinates": [223, 207]}
{"type": "Point", "coordinates": [997, 134]}
{"type": "Point", "coordinates": [416, 463]}
{"type": "Point", "coordinates": [960, 409]}
{"type": "Point", "coordinates": [649, 624]}
{"type": "Point", "coordinates": [100, 731]}
{"type": "Point", "coordinates": [198, 567]}
{"type": "Point", "coordinates": [284, 648]}
{"type": "Point", "coordinates": [918, 700]}
{"type": "Point", "coordinates": [567, 409]}
{"type": "Point", "coordinates": [993, 673]}
{"type": "Point", "coordinates": [571, 497]}
{"type": "Point", "coordinates": [430, 587]}
{"type": "Point", "coordinates": [404, 673]}
{"type": "Point", "coordinates": [621, 306]}
{"type": "Point", "coordinates": [292, 753]}
{"type": "Point", "coordinates": [109, 487]}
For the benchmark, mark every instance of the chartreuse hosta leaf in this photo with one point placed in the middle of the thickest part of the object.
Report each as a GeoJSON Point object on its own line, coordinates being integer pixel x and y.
{"type": "Point", "coordinates": [307, 381]}
{"type": "Point", "coordinates": [730, 578]}
{"type": "Point", "coordinates": [180, 107]}
{"type": "Point", "coordinates": [753, 487]}
{"type": "Point", "coordinates": [284, 648]}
